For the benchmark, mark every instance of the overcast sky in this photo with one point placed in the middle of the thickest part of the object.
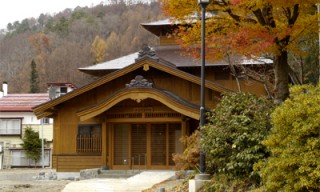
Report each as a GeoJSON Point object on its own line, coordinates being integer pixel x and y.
{"type": "Point", "coordinates": [17, 10]}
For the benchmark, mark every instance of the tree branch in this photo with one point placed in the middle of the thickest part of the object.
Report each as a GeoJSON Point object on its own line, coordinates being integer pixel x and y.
{"type": "Point", "coordinates": [267, 12]}
{"type": "Point", "coordinates": [259, 16]}
{"type": "Point", "coordinates": [295, 15]}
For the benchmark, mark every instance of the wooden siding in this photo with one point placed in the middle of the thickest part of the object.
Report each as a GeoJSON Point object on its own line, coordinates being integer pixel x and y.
{"type": "Point", "coordinates": [75, 163]}
{"type": "Point", "coordinates": [166, 40]}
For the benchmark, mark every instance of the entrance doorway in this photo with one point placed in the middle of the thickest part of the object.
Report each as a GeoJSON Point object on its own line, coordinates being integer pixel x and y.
{"type": "Point", "coordinates": [145, 146]}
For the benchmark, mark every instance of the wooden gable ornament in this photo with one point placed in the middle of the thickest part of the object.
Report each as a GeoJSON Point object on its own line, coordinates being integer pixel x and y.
{"type": "Point", "coordinates": [139, 81]}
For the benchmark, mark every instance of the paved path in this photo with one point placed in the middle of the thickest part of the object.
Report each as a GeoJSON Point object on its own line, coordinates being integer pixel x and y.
{"type": "Point", "coordinates": [139, 182]}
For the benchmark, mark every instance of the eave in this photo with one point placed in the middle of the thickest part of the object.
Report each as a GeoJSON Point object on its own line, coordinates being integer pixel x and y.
{"type": "Point", "coordinates": [139, 94]}
{"type": "Point", "coordinates": [41, 109]}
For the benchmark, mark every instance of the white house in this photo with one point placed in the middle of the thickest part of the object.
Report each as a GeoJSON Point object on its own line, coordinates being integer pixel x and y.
{"type": "Point", "coordinates": [15, 116]}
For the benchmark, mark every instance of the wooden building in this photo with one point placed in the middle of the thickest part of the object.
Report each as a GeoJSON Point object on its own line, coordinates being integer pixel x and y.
{"type": "Point", "coordinates": [133, 116]}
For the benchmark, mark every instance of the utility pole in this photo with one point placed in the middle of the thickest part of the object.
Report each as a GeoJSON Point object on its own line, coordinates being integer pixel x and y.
{"type": "Point", "coordinates": [318, 8]}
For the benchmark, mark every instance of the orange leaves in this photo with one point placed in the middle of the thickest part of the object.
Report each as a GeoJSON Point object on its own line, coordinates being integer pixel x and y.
{"type": "Point", "coordinates": [246, 26]}
{"type": "Point", "coordinates": [179, 8]}
{"type": "Point", "coordinates": [235, 2]}
{"type": "Point", "coordinates": [253, 41]}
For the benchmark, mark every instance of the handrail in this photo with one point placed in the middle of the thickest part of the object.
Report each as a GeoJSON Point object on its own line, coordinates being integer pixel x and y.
{"type": "Point", "coordinates": [132, 162]}
{"type": "Point", "coordinates": [145, 161]}
{"type": "Point", "coordinates": [139, 160]}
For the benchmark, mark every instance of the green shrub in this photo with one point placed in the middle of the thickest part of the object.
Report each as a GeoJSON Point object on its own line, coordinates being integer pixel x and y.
{"type": "Point", "coordinates": [223, 183]}
{"type": "Point", "coordinates": [32, 144]}
{"type": "Point", "coordinates": [294, 164]}
{"type": "Point", "coordinates": [232, 138]}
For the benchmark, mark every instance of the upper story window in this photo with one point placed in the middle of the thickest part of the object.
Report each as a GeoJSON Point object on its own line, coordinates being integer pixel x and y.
{"type": "Point", "coordinates": [46, 120]}
{"type": "Point", "coordinates": [63, 90]}
{"type": "Point", "coordinates": [10, 126]}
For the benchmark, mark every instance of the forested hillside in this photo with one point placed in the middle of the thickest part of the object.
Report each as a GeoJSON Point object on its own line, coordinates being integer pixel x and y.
{"type": "Point", "coordinates": [61, 43]}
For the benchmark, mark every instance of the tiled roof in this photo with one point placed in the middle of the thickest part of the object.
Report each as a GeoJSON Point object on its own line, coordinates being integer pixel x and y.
{"type": "Point", "coordinates": [172, 54]}
{"type": "Point", "coordinates": [22, 102]}
{"type": "Point", "coordinates": [118, 63]}
{"type": "Point", "coordinates": [160, 22]}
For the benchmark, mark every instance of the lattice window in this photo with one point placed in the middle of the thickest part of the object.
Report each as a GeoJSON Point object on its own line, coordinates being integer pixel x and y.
{"type": "Point", "coordinates": [162, 115]}
{"type": "Point", "coordinates": [89, 138]}
{"type": "Point", "coordinates": [124, 115]}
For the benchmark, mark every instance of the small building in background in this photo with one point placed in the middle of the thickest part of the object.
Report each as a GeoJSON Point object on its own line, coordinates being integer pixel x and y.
{"type": "Point", "coordinates": [15, 116]}
{"type": "Point", "coordinates": [58, 89]}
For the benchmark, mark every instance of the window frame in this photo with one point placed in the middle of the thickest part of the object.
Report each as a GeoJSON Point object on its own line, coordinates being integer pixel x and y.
{"type": "Point", "coordinates": [93, 140]}
{"type": "Point", "coordinates": [45, 120]}
{"type": "Point", "coordinates": [12, 118]}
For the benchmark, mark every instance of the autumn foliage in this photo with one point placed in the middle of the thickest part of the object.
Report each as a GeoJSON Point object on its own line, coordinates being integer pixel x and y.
{"type": "Point", "coordinates": [189, 159]}
{"type": "Point", "coordinates": [269, 28]}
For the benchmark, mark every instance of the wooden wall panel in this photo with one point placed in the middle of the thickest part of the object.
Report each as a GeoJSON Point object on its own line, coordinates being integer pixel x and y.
{"type": "Point", "coordinates": [165, 40]}
{"type": "Point", "coordinates": [54, 162]}
{"type": "Point", "coordinates": [76, 163]}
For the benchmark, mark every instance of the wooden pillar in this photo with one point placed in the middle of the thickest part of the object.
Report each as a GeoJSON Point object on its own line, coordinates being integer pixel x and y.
{"type": "Point", "coordinates": [104, 144]}
{"type": "Point", "coordinates": [167, 146]}
{"type": "Point", "coordinates": [56, 135]}
{"type": "Point", "coordinates": [56, 142]}
{"type": "Point", "coordinates": [110, 145]}
{"type": "Point", "coordinates": [184, 125]}
{"type": "Point", "coordinates": [148, 165]}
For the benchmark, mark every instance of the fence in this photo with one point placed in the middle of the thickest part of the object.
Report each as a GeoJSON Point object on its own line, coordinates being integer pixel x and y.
{"type": "Point", "coordinates": [89, 144]}
{"type": "Point", "coordinates": [19, 159]}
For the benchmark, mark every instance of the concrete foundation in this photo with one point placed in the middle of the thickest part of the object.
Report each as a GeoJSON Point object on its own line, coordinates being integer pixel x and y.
{"type": "Point", "coordinates": [198, 182]}
{"type": "Point", "coordinates": [68, 175]}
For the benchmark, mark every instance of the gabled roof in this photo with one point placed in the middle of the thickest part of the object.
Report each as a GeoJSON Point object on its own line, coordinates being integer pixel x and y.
{"type": "Point", "coordinates": [22, 102]}
{"type": "Point", "coordinates": [43, 109]}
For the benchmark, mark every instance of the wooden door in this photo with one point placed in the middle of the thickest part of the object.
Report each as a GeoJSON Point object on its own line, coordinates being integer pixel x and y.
{"type": "Point", "coordinates": [121, 153]}
{"type": "Point", "coordinates": [145, 146]}
{"type": "Point", "coordinates": [158, 144]}
{"type": "Point", "coordinates": [139, 146]}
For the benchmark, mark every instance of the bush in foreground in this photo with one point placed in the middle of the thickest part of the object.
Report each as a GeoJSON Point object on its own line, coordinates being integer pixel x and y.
{"type": "Point", "coordinates": [294, 164]}
{"type": "Point", "coordinates": [233, 137]}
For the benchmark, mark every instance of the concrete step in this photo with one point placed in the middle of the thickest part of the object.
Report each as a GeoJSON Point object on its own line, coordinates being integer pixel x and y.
{"type": "Point", "coordinates": [117, 173]}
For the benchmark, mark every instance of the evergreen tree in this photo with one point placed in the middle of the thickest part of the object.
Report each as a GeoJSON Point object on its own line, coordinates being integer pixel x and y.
{"type": "Point", "coordinates": [233, 136]}
{"type": "Point", "coordinates": [34, 81]}
{"type": "Point", "coordinates": [32, 144]}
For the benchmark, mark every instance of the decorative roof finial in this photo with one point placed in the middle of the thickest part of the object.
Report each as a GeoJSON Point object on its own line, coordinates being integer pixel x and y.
{"type": "Point", "coordinates": [147, 51]}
